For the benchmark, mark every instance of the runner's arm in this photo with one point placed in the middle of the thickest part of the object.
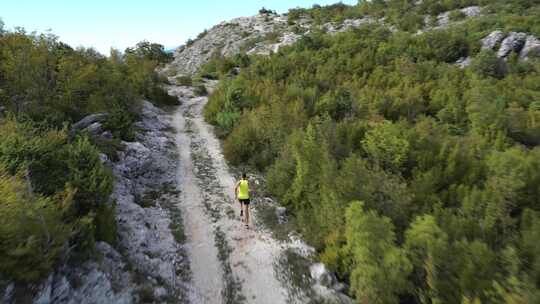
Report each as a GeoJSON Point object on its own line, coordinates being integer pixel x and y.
{"type": "Point", "coordinates": [236, 189]}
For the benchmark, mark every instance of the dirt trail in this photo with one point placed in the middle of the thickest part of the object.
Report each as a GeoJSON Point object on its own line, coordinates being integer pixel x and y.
{"type": "Point", "coordinates": [229, 263]}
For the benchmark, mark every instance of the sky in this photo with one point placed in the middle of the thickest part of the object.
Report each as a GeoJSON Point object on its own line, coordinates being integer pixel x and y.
{"type": "Point", "coordinates": [103, 24]}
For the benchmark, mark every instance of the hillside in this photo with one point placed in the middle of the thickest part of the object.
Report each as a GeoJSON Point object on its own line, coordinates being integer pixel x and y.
{"type": "Point", "coordinates": [404, 148]}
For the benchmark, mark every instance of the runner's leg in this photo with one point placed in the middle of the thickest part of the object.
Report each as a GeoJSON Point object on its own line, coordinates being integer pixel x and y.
{"type": "Point", "coordinates": [246, 206]}
{"type": "Point", "coordinates": [241, 208]}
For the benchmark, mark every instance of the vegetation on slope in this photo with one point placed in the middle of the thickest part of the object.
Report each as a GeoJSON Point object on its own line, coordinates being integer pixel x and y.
{"type": "Point", "coordinates": [54, 190]}
{"type": "Point", "coordinates": [417, 181]}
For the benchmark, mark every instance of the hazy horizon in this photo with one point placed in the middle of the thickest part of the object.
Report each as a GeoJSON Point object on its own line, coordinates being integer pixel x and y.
{"type": "Point", "coordinates": [104, 25]}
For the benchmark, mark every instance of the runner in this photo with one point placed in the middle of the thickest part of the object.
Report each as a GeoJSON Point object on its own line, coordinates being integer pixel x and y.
{"type": "Point", "coordinates": [241, 190]}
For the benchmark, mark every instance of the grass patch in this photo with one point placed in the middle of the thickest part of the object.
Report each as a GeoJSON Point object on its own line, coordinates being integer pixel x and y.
{"type": "Point", "coordinates": [149, 199]}
{"type": "Point", "coordinates": [146, 294]}
{"type": "Point", "coordinates": [200, 90]}
{"type": "Point", "coordinates": [184, 81]}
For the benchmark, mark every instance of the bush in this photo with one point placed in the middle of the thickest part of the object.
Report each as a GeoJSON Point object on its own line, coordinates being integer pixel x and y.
{"type": "Point", "coordinates": [264, 11]}
{"type": "Point", "coordinates": [161, 97]}
{"type": "Point", "coordinates": [92, 180]}
{"type": "Point", "coordinates": [120, 123]}
{"type": "Point", "coordinates": [55, 166]}
{"type": "Point", "coordinates": [200, 90]}
{"type": "Point", "coordinates": [457, 15]}
{"type": "Point", "coordinates": [184, 81]}
{"type": "Point", "coordinates": [487, 64]}
{"type": "Point", "coordinates": [106, 230]}
{"type": "Point", "coordinates": [33, 234]}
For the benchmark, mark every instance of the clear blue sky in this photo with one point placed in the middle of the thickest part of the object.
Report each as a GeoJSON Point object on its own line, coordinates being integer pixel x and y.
{"type": "Point", "coordinates": [103, 24]}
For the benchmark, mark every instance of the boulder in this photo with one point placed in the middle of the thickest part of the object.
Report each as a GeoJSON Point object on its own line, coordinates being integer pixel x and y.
{"type": "Point", "coordinates": [463, 62]}
{"type": "Point", "coordinates": [160, 293]}
{"type": "Point", "coordinates": [88, 120]}
{"type": "Point", "coordinates": [340, 287]}
{"type": "Point", "coordinates": [281, 211]}
{"type": "Point", "coordinates": [492, 40]}
{"type": "Point", "coordinates": [136, 159]}
{"type": "Point", "coordinates": [8, 293]}
{"type": "Point", "coordinates": [472, 11]}
{"type": "Point", "coordinates": [94, 129]}
{"type": "Point", "coordinates": [104, 159]}
{"type": "Point", "coordinates": [107, 135]}
{"type": "Point", "coordinates": [513, 42]}
{"type": "Point", "coordinates": [531, 48]}
{"type": "Point", "coordinates": [281, 214]}
{"type": "Point", "coordinates": [44, 296]}
{"type": "Point", "coordinates": [320, 274]}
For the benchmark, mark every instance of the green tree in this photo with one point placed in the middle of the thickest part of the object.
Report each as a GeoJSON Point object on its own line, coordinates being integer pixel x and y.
{"type": "Point", "coordinates": [385, 145]}
{"type": "Point", "coordinates": [379, 268]}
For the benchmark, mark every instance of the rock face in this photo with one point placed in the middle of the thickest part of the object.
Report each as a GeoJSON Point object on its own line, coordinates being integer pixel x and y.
{"type": "Point", "coordinates": [91, 123]}
{"type": "Point", "coordinates": [513, 42]}
{"type": "Point", "coordinates": [463, 62]}
{"type": "Point", "coordinates": [321, 275]}
{"type": "Point", "coordinates": [261, 34]}
{"type": "Point", "coordinates": [99, 282]}
{"type": "Point", "coordinates": [146, 185]}
{"type": "Point", "coordinates": [228, 38]}
{"type": "Point", "coordinates": [492, 40]}
{"type": "Point", "coordinates": [521, 43]}
{"type": "Point", "coordinates": [531, 48]}
{"type": "Point", "coordinates": [89, 120]}
{"type": "Point", "coordinates": [443, 20]}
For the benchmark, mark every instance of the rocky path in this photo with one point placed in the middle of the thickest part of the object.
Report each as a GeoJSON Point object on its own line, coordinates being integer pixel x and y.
{"type": "Point", "coordinates": [229, 263]}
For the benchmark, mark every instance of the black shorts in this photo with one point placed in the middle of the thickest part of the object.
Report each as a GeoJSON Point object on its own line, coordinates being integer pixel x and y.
{"type": "Point", "coordinates": [244, 201]}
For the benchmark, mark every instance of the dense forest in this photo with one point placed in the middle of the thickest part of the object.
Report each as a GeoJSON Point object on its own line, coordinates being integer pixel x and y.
{"type": "Point", "coordinates": [416, 180]}
{"type": "Point", "coordinates": [54, 189]}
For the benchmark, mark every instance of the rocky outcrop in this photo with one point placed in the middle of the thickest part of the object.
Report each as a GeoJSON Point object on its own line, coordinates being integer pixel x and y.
{"type": "Point", "coordinates": [148, 264]}
{"type": "Point", "coordinates": [347, 24]}
{"type": "Point", "coordinates": [326, 285]}
{"type": "Point", "coordinates": [531, 48]}
{"type": "Point", "coordinates": [227, 39]}
{"type": "Point", "coordinates": [513, 42]}
{"type": "Point", "coordinates": [261, 35]}
{"type": "Point", "coordinates": [463, 62]}
{"type": "Point", "coordinates": [93, 124]}
{"type": "Point", "coordinates": [321, 275]}
{"type": "Point", "coordinates": [145, 191]}
{"type": "Point", "coordinates": [505, 43]}
{"type": "Point", "coordinates": [94, 282]}
{"type": "Point", "coordinates": [443, 20]}
{"type": "Point", "coordinates": [89, 120]}
{"type": "Point", "coordinates": [492, 40]}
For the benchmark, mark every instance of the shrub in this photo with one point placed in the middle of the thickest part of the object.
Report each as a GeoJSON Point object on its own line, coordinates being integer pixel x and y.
{"type": "Point", "coordinates": [265, 11]}
{"type": "Point", "coordinates": [487, 64]}
{"type": "Point", "coordinates": [32, 234]}
{"type": "Point", "coordinates": [184, 81]}
{"type": "Point", "coordinates": [200, 90]}
{"type": "Point", "coordinates": [161, 97]}
{"type": "Point", "coordinates": [105, 220]}
{"type": "Point", "coordinates": [86, 173]}
{"type": "Point", "coordinates": [457, 15]}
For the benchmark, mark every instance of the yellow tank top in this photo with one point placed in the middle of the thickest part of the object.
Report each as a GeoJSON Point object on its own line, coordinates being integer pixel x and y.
{"type": "Point", "coordinates": [243, 190]}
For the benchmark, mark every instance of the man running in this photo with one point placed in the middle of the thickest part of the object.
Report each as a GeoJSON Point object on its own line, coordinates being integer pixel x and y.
{"type": "Point", "coordinates": [241, 191]}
